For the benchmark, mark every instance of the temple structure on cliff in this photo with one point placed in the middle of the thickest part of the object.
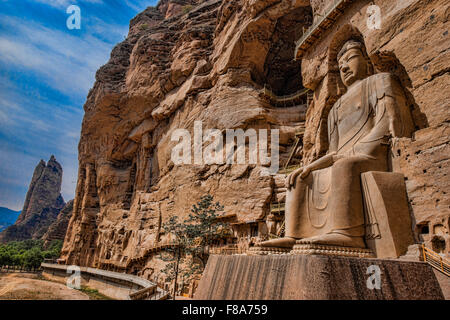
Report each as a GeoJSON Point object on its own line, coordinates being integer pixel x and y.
{"type": "Point", "coordinates": [244, 64]}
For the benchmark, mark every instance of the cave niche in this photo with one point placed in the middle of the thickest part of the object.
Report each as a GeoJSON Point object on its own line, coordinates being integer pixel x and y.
{"type": "Point", "coordinates": [282, 74]}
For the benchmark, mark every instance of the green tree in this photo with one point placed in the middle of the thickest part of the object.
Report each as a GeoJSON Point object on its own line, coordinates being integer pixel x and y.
{"type": "Point", "coordinates": [28, 253]}
{"type": "Point", "coordinates": [192, 239]}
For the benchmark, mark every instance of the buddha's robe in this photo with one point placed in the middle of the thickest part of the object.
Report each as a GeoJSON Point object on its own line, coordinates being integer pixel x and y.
{"type": "Point", "coordinates": [360, 125]}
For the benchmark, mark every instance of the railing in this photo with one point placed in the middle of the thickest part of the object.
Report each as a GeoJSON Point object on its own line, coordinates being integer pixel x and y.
{"type": "Point", "coordinates": [19, 269]}
{"type": "Point", "coordinates": [159, 295]}
{"type": "Point", "coordinates": [147, 289]}
{"type": "Point", "coordinates": [143, 293]}
{"type": "Point", "coordinates": [290, 169]}
{"type": "Point", "coordinates": [291, 98]}
{"type": "Point", "coordinates": [435, 260]}
{"type": "Point", "coordinates": [154, 249]}
{"type": "Point", "coordinates": [224, 250]}
{"type": "Point", "coordinates": [336, 6]}
{"type": "Point", "coordinates": [279, 233]}
{"type": "Point", "coordinates": [298, 137]}
{"type": "Point", "coordinates": [277, 207]}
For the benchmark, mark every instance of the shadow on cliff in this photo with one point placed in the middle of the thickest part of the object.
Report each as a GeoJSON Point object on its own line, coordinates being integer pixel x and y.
{"type": "Point", "coordinates": [387, 61]}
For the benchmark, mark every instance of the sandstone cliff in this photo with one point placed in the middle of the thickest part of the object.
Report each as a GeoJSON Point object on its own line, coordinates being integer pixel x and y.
{"type": "Point", "coordinates": [413, 44]}
{"type": "Point", "coordinates": [42, 204]}
{"type": "Point", "coordinates": [57, 230]}
{"type": "Point", "coordinates": [210, 61]}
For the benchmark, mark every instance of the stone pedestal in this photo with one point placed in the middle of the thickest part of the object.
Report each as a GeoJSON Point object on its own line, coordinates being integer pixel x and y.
{"type": "Point", "coordinates": [388, 221]}
{"type": "Point", "coordinates": [315, 277]}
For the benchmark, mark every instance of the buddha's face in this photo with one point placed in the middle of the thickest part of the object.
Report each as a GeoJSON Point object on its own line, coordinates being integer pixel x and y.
{"type": "Point", "coordinates": [352, 66]}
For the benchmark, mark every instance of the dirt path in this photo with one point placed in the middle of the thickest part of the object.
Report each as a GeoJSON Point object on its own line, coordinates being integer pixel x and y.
{"type": "Point", "coordinates": [22, 286]}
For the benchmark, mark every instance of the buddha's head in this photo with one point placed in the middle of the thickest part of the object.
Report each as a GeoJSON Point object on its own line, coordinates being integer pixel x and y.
{"type": "Point", "coordinates": [353, 62]}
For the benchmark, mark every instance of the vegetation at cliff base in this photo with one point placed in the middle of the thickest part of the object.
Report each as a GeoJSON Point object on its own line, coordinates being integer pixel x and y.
{"type": "Point", "coordinates": [28, 253]}
{"type": "Point", "coordinates": [192, 238]}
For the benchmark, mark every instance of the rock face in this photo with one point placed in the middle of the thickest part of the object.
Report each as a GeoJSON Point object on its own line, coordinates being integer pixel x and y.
{"type": "Point", "coordinates": [305, 277]}
{"type": "Point", "coordinates": [413, 44]}
{"type": "Point", "coordinates": [209, 64]}
{"type": "Point", "coordinates": [210, 61]}
{"type": "Point", "coordinates": [42, 204]}
{"type": "Point", "coordinates": [57, 230]}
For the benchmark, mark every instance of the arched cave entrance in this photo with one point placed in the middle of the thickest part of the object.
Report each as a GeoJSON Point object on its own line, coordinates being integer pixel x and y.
{"type": "Point", "coordinates": [438, 244]}
{"type": "Point", "coordinates": [282, 74]}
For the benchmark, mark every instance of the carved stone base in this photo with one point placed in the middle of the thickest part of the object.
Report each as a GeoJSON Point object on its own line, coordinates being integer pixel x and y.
{"type": "Point", "coordinates": [267, 250]}
{"type": "Point", "coordinates": [302, 248]}
{"type": "Point", "coordinates": [314, 277]}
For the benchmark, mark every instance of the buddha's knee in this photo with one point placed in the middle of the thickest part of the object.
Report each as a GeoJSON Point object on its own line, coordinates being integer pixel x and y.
{"type": "Point", "coordinates": [299, 181]}
{"type": "Point", "coordinates": [348, 165]}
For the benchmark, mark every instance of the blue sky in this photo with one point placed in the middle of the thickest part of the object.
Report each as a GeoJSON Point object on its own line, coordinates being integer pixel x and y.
{"type": "Point", "coordinates": [46, 71]}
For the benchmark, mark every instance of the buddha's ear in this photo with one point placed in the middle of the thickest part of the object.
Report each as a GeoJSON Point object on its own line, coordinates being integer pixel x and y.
{"type": "Point", "coordinates": [341, 89]}
{"type": "Point", "coordinates": [370, 66]}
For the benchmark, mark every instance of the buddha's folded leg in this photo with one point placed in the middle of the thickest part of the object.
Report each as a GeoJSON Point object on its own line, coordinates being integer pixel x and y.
{"type": "Point", "coordinates": [346, 203]}
{"type": "Point", "coordinates": [347, 200]}
{"type": "Point", "coordinates": [295, 203]}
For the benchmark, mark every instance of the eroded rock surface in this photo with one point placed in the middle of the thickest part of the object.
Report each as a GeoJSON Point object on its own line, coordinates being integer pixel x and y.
{"type": "Point", "coordinates": [412, 43]}
{"type": "Point", "coordinates": [42, 204]}
{"type": "Point", "coordinates": [209, 61]}
{"type": "Point", "coordinates": [57, 230]}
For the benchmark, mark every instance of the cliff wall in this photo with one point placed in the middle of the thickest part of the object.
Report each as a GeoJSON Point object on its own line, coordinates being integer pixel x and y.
{"type": "Point", "coordinates": [209, 61]}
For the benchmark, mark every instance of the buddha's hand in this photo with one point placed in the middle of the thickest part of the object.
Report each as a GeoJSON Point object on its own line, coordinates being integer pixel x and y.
{"type": "Point", "coordinates": [303, 172]}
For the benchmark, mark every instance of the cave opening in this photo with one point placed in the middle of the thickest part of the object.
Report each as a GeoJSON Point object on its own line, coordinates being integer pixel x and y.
{"type": "Point", "coordinates": [282, 74]}
{"type": "Point", "coordinates": [130, 188]}
{"type": "Point", "coordinates": [438, 244]}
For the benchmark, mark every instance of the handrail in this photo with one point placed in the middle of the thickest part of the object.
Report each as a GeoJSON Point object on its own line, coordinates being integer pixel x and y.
{"type": "Point", "coordinates": [277, 207]}
{"type": "Point", "coordinates": [290, 169]}
{"type": "Point", "coordinates": [282, 229]}
{"type": "Point", "coordinates": [291, 154]}
{"type": "Point", "coordinates": [148, 288]}
{"type": "Point", "coordinates": [156, 248]}
{"type": "Point", "coordinates": [319, 25]}
{"type": "Point", "coordinates": [436, 260]}
{"type": "Point", "coordinates": [226, 250]}
{"type": "Point", "coordinates": [143, 293]}
{"type": "Point", "coordinates": [267, 92]}
{"type": "Point", "coordinates": [327, 12]}
{"type": "Point", "coordinates": [19, 269]}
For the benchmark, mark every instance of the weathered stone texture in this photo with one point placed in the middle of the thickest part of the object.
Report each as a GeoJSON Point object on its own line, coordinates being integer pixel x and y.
{"type": "Point", "coordinates": [303, 277]}
{"type": "Point", "coordinates": [57, 230]}
{"type": "Point", "coordinates": [42, 203]}
{"type": "Point", "coordinates": [413, 44]}
{"type": "Point", "coordinates": [209, 64]}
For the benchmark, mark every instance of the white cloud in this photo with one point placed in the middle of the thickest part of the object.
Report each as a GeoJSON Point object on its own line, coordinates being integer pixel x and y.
{"type": "Point", "coordinates": [66, 3]}
{"type": "Point", "coordinates": [66, 62]}
{"type": "Point", "coordinates": [34, 127]}
{"type": "Point", "coordinates": [33, 130]}
{"type": "Point", "coordinates": [139, 5]}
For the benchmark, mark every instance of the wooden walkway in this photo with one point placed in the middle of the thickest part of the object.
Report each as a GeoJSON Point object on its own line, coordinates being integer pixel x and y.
{"type": "Point", "coordinates": [298, 98]}
{"type": "Point", "coordinates": [315, 32]}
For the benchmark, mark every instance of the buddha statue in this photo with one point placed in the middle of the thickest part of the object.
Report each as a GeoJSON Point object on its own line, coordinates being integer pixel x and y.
{"type": "Point", "coordinates": [324, 201]}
